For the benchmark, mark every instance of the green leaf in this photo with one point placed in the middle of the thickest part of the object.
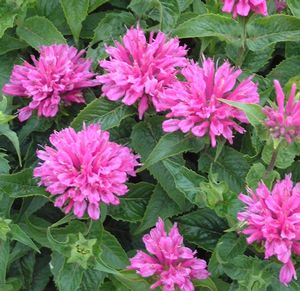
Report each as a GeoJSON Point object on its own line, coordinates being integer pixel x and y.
{"type": "Point", "coordinates": [4, 165]}
{"type": "Point", "coordinates": [7, 62]}
{"type": "Point", "coordinates": [92, 280]}
{"type": "Point", "coordinates": [109, 114]}
{"type": "Point", "coordinates": [132, 281]}
{"type": "Point", "coordinates": [20, 185]}
{"type": "Point", "coordinates": [160, 205]}
{"type": "Point", "coordinates": [184, 4]}
{"type": "Point", "coordinates": [4, 251]}
{"type": "Point", "coordinates": [256, 173]}
{"type": "Point", "coordinates": [201, 227]}
{"type": "Point", "coordinates": [171, 145]}
{"type": "Point", "coordinates": [21, 236]}
{"type": "Point", "coordinates": [112, 26]}
{"type": "Point", "coordinates": [8, 12]}
{"type": "Point", "coordinates": [9, 43]}
{"type": "Point", "coordinates": [145, 136]}
{"type": "Point", "coordinates": [4, 118]}
{"type": "Point", "coordinates": [169, 13]}
{"type": "Point", "coordinates": [112, 252]}
{"type": "Point", "coordinates": [38, 31]}
{"type": "Point", "coordinates": [94, 4]}
{"type": "Point", "coordinates": [75, 12]}
{"type": "Point", "coordinates": [207, 25]}
{"type": "Point", "coordinates": [207, 284]}
{"type": "Point", "coordinates": [187, 182]}
{"type": "Point", "coordinates": [133, 205]}
{"type": "Point", "coordinates": [265, 31]}
{"type": "Point", "coordinates": [294, 6]}
{"type": "Point", "coordinates": [67, 277]}
{"type": "Point", "coordinates": [4, 228]}
{"type": "Point", "coordinates": [286, 70]}
{"type": "Point", "coordinates": [229, 247]}
{"type": "Point", "coordinates": [12, 136]}
{"type": "Point", "coordinates": [41, 274]}
{"type": "Point", "coordinates": [253, 111]}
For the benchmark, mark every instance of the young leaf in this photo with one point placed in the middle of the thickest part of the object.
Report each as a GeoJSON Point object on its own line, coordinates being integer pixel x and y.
{"type": "Point", "coordinates": [4, 258]}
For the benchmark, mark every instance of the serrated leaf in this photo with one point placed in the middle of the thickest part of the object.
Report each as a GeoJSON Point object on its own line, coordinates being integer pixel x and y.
{"type": "Point", "coordinates": [92, 280]}
{"type": "Point", "coordinates": [265, 31]}
{"type": "Point", "coordinates": [169, 13]}
{"type": "Point", "coordinates": [8, 13]}
{"type": "Point", "coordinates": [187, 181]}
{"type": "Point", "coordinates": [12, 136]}
{"type": "Point", "coordinates": [112, 26]}
{"type": "Point", "coordinates": [253, 111]}
{"type": "Point", "coordinates": [9, 43]}
{"type": "Point", "coordinates": [208, 25]}
{"type": "Point", "coordinates": [132, 281]}
{"type": "Point", "coordinates": [171, 145]}
{"type": "Point", "coordinates": [38, 31]}
{"type": "Point", "coordinates": [133, 205]}
{"type": "Point", "coordinates": [108, 114]}
{"type": "Point", "coordinates": [75, 12]}
{"type": "Point", "coordinates": [159, 205]}
{"type": "Point", "coordinates": [4, 251]}
{"type": "Point", "coordinates": [145, 136]}
{"type": "Point", "coordinates": [4, 165]}
{"type": "Point", "coordinates": [201, 227]}
{"type": "Point", "coordinates": [20, 185]}
{"type": "Point", "coordinates": [294, 6]}
{"type": "Point", "coordinates": [21, 236]}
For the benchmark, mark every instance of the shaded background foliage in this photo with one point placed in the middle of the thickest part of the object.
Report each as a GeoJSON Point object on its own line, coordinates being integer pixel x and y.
{"type": "Point", "coordinates": [182, 180]}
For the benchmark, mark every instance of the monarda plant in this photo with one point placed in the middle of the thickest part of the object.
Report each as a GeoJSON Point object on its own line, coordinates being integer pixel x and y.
{"type": "Point", "coordinates": [149, 145]}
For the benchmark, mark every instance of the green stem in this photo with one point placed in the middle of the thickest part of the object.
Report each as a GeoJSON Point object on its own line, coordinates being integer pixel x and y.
{"type": "Point", "coordinates": [272, 164]}
{"type": "Point", "coordinates": [243, 49]}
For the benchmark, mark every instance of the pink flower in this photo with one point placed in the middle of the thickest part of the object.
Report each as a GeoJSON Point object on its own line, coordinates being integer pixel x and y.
{"type": "Point", "coordinates": [280, 5]}
{"type": "Point", "coordinates": [284, 122]}
{"type": "Point", "coordinates": [85, 169]}
{"type": "Point", "coordinates": [273, 218]}
{"type": "Point", "coordinates": [243, 7]}
{"type": "Point", "coordinates": [57, 77]}
{"type": "Point", "coordinates": [195, 105]}
{"type": "Point", "coordinates": [137, 70]}
{"type": "Point", "coordinates": [172, 264]}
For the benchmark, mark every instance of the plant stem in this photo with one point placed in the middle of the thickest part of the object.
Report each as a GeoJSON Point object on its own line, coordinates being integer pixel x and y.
{"type": "Point", "coordinates": [272, 164]}
{"type": "Point", "coordinates": [243, 48]}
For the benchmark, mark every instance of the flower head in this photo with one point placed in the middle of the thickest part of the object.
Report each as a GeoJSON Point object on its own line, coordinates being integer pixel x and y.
{"type": "Point", "coordinates": [137, 70]}
{"type": "Point", "coordinates": [243, 7]}
{"type": "Point", "coordinates": [273, 218]}
{"type": "Point", "coordinates": [56, 77]}
{"type": "Point", "coordinates": [280, 5]}
{"type": "Point", "coordinates": [172, 264]}
{"type": "Point", "coordinates": [85, 169]}
{"type": "Point", "coordinates": [284, 121]}
{"type": "Point", "coordinates": [195, 105]}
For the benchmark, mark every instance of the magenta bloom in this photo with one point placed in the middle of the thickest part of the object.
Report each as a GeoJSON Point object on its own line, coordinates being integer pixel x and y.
{"type": "Point", "coordinates": [137, 70]}
{"type": "Point", "coordinates": [195, 105]}
{"type": "Point", "coordinates": [85, 169]}
{"type": "Point", "coordinates": [243, 7]}
{"type": "Point", "coordinates": [172, 264]}
{"type": "Point", "coordinates": [273, 219]}
{"type": "Point", "coordinates": [57, 77]}
{"type": "Point", "coordinates": [284, 122]}
{"type": "Point", "coordinates": [280, 5]}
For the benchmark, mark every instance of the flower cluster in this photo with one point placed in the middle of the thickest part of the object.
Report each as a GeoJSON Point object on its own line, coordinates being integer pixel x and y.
{"type": "Point", "coordinates": [173, 264]}
{"type": "Point", "coordinates": [57, 76]}
{"type": "Point", "coordinates": [85, 169]}
{"type": "Point", "coordinates": [138, 71]}
{"type": "Point", "coordinates": [243, 7]}
{"type": "Point", "coordinates": [273, 218]}
{"type": "Point", "coordinates": [284, 122]}
{"type": "Point", "coordinates": [195, 104]}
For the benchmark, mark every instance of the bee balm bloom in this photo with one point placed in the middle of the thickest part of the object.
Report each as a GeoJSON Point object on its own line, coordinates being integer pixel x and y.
{"type": "Point", "coordinates": [284, 121]}
{"type": "Point", "coordinates": [243, 7]}
{"type": "Point", "coordinates": [85, 169]}
{"type": "Point", "coordinates": [273, 219]}
{"type": "Point", "coordinates": [137, 70]}
{"type": "Point", "coordinates": [195, 105]}
{"type": "Point", "coordinates": [172, 264]}
{"type": "Point", "coordinates": [56, 77]}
